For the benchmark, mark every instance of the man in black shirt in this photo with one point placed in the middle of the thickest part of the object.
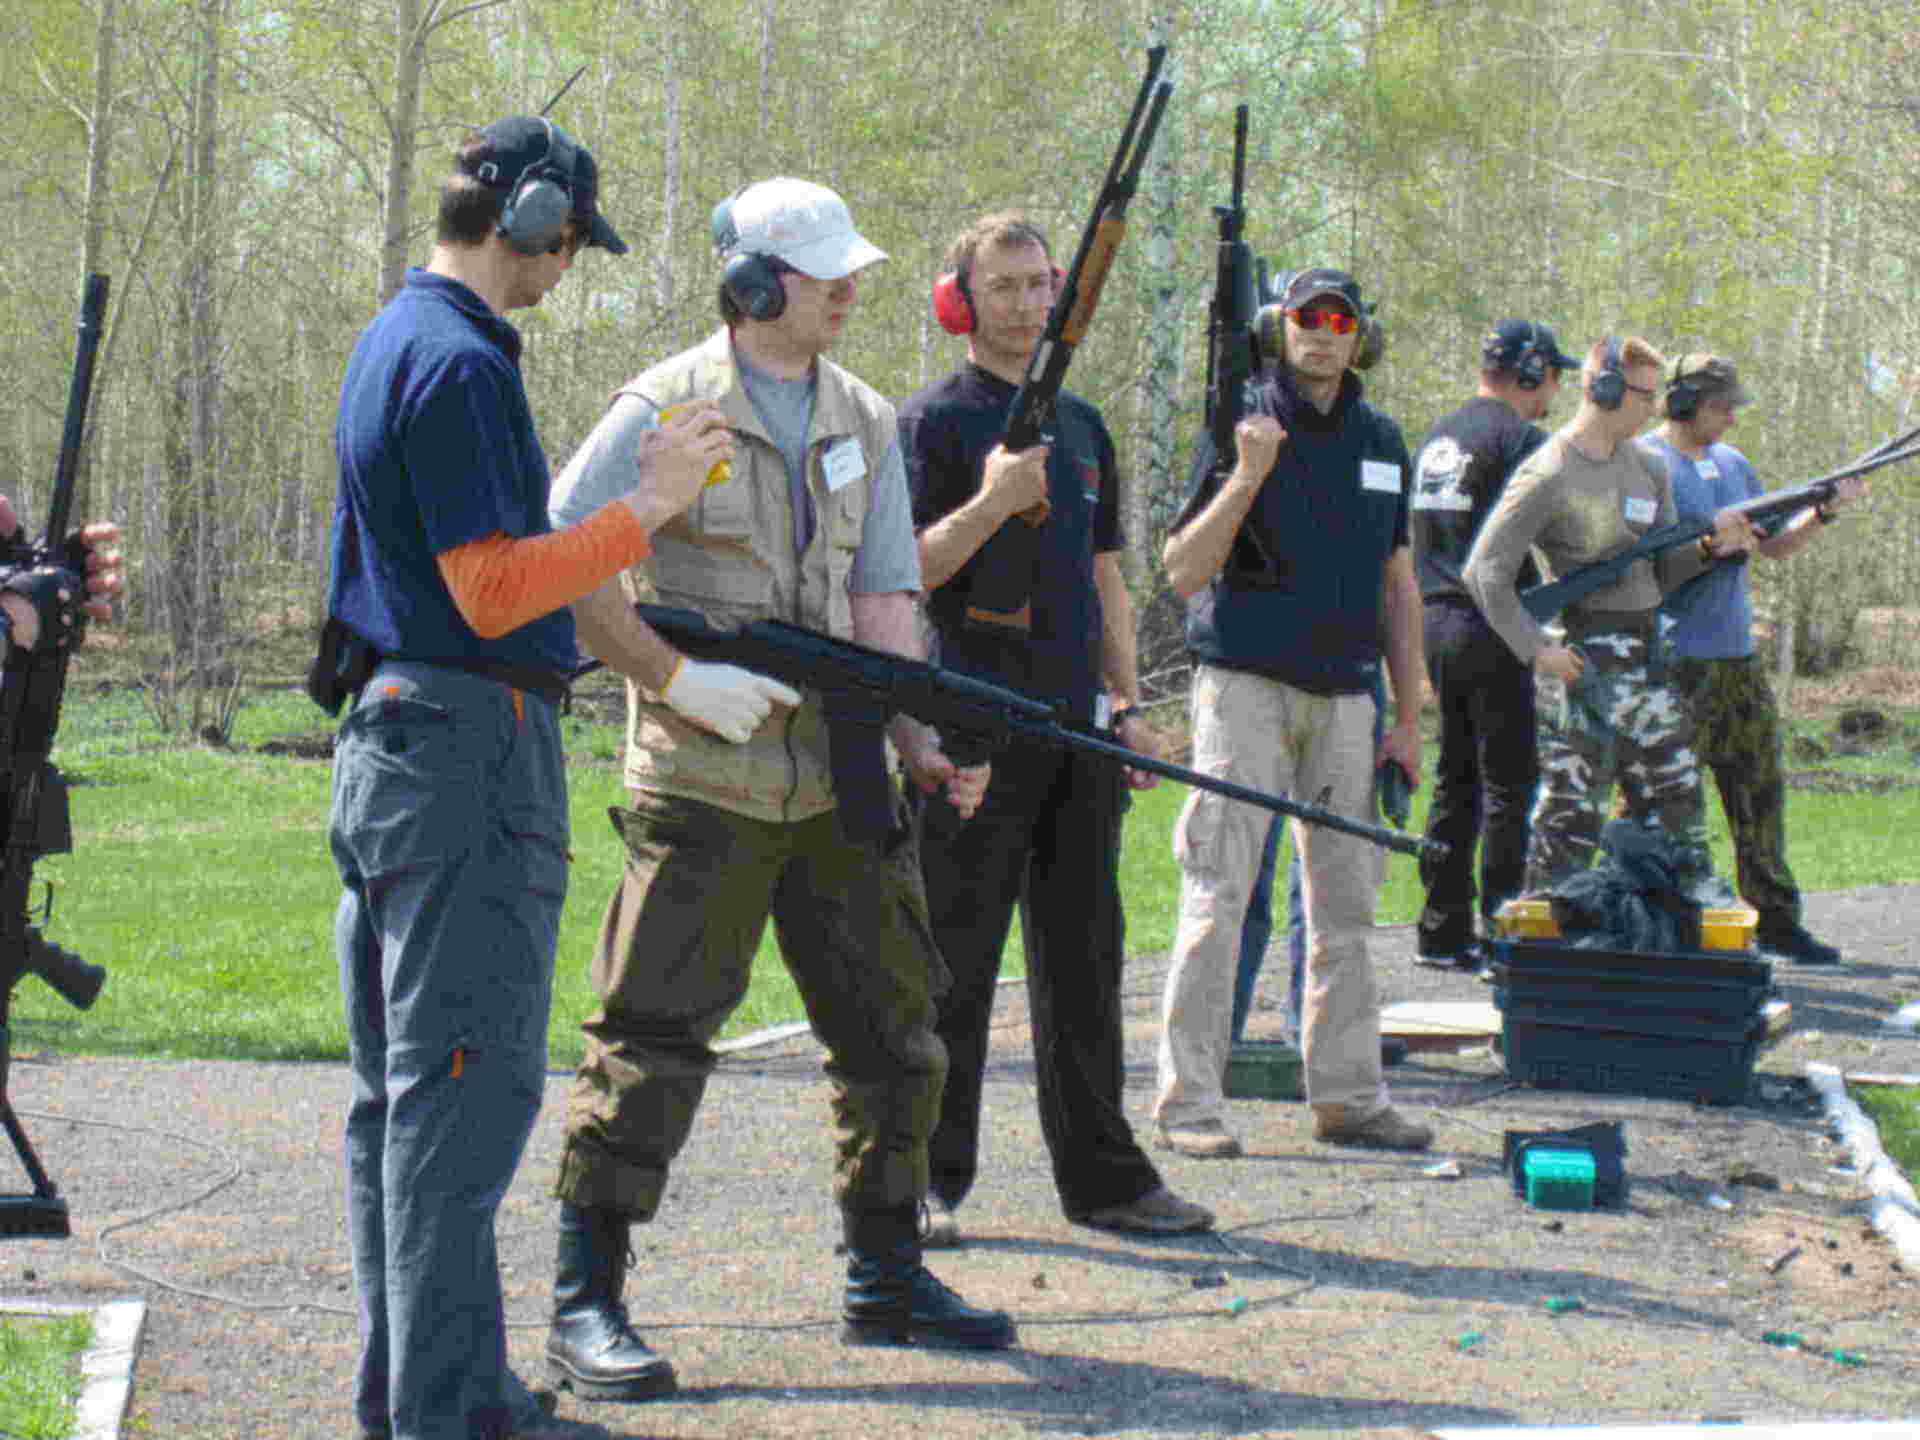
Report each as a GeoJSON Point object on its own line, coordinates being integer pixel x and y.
{"type": "Point", "coordinates": [1488, 766]}
{"type": "Point", "coordinates": [1047, 835]}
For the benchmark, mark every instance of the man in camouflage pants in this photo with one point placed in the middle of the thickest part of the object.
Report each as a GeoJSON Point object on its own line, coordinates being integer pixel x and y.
{"type": "Point", "coordinates": [1735, 717]}
{"type": "Point", "coordinates": [1607, 707]}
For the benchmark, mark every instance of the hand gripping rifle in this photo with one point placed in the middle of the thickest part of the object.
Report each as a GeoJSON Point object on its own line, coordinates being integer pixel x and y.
{"type": "Point", "coordinates": [1002, 580]}
{"type": "Point", "coordinates": [1543, 602]}
{"type": "Point", "coordinates": [33, 796]}
{"type": "Point", "coordinates": [862, 689]}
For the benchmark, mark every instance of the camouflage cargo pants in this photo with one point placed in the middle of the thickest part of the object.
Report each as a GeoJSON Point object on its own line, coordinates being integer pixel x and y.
{"type": "Point", "coordinates": [1624, 721]}
{"type": "Point", "coordinates": [1736, 725]}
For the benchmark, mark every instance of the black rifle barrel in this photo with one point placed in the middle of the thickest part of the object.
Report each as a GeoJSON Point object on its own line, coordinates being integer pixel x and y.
{"type": "Point", "coordinates": [93, 309]}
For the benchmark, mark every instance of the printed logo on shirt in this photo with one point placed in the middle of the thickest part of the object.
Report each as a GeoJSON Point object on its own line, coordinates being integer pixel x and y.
{"type": "Point", "coordinates": [1381, 476]}
{"type": "Point", "coordinates": [1641, 511]}
{"type": "Point", "coordinates": [1090, 481]}
{"type": "Point", "coordinates": [1439, 477]}
{"type": "Point", "coordinates": [1706, 469]}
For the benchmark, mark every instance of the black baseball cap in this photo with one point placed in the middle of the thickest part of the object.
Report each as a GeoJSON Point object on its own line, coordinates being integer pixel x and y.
{"type": "Point", "coordinates": [1317, 284]}
{"type": "Point", "coordinates": [532, 147]}
{"type": "Point", "coordinates": [1509, 342]}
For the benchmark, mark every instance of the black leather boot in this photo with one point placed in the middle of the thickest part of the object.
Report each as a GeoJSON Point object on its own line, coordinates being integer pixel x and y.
{"type": "Point", "coordinates": [591, 1349]}
{"type": "Point", "coordinates": [892, 1299]}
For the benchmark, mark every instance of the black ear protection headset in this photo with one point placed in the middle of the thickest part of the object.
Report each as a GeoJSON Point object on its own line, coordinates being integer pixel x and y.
{"type": "Point", "coordinates": [1683, 396]}
{"type": "Point", "coordinates": [540, 202]}
{"type": "Point", "coordinates": [750, 280]}
{"type": "Point", "coordinates": [1530, 365]}
{"type": "Point", "coordinates": [1270, 325]}
{"type": "Point", "coordinates": [1608, 389]}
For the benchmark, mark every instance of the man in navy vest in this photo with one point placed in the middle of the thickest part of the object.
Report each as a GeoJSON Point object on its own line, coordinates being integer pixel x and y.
{"type": "Point", "coordinates": [1298, 577]}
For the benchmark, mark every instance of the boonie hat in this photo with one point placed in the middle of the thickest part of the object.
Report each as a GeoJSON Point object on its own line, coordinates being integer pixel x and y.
{"type": "Point", "coordinates": [796, 221]}
{"type": "Point", "coordinates": [1511, 340]}
{"type": "Point", "coordinates": [532, 147]}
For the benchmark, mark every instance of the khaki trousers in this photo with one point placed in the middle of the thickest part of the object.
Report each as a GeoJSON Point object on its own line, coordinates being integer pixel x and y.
{"type": "Point", "coordinates": [1262, 733]}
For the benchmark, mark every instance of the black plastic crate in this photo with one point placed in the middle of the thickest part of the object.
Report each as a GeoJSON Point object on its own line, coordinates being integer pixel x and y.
{"type": "Point", "coordinates": [1620, 1062]}
{"type": "Point", "coordinates": [1676, 1026]}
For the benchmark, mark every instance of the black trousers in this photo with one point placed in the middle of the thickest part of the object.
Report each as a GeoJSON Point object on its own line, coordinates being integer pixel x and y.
{"type": "Point", "coordinates": [1047, 840]}
{"type": "Point", "coordinates": [1485, 776]}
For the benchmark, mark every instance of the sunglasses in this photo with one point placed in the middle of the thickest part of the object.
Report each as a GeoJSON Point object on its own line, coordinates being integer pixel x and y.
{"type": "Point", "coordinates": [1340, 322]}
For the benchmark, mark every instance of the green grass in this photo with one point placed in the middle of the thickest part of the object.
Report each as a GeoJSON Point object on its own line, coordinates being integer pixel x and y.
{"type": "Point", "coordinates": [1896, 1110]}
{"type": "Point", "coordinates": [40, 1374]}
{"type": "Point", "coordinates": [201, 879]}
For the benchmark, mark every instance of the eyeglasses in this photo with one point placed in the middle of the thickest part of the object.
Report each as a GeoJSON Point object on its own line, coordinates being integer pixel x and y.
{"type": "Point", "coordinates": [1340, 322]}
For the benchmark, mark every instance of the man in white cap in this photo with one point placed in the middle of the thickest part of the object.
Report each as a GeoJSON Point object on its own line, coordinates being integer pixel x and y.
{"type": "Point", "coordinates": [733, 782]}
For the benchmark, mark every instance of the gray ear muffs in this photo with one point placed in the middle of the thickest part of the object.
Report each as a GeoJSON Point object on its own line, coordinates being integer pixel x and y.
{"type": "Point", "coordinates": [541, 200]}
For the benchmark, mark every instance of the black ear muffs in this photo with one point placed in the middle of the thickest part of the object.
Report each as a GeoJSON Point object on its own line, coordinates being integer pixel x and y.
{"type": "Point", "coordinates": [541, 201]}
{"type": "Point", "coordinates": [1608, 389]}
{"type": "Point", "coordinates": [1530, 365]}
{"type": "Point", "coordinates": [751, 281]}
{"type": "Point", "coordinates": [1683, 396]}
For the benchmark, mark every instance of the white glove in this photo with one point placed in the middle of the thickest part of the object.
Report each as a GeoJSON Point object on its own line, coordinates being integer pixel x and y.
{"type": "Point", "coordinates": [725, 699]}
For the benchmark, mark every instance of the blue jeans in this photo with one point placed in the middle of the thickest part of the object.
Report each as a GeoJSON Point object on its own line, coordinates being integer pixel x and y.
{"type": "Point", "coordinates": [1257, 929]}
{"type": "Point", "coordinates": [449, 829]}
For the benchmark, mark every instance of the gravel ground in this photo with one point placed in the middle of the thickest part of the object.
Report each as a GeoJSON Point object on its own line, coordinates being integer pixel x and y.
{"type": "Point", "coordinates": [213, 1191]}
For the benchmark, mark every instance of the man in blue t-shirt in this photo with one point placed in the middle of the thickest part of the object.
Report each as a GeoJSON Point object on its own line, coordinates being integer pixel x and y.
{"type": "Point", "coordinates": [1736, 718]}
{"type": "Point", "coordinates": [448, 626]}
{"type": "Point", "coordinates": [1298, 577]}
{"type": "Point", "coordinates": [1047, 835]}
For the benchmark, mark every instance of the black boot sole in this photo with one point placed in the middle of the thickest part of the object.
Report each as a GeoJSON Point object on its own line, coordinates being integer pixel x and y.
{"type": "Point", "coordinates": [649, 1384]}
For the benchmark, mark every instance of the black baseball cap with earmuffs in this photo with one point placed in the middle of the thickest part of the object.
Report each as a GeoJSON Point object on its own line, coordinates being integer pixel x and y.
{"type": "Point", "coordinates": [550, 179]}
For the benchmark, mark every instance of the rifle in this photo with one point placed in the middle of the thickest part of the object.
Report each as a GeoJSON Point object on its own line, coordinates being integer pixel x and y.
{"type": "Point", "coordinates": [1002, 580]}
{"type": "Point", "coordinates": [862, 688]}
{"type": "Point", "coordinates": [33, 796]}
{"type": "Point", "coordinates": [1233, 349]}
{"type": "Point", "coordinates": [1543, 602]}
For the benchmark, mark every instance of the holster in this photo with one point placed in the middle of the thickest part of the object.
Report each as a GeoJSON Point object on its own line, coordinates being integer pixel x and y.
{"type": "Point", "coordinates": [341, 665]}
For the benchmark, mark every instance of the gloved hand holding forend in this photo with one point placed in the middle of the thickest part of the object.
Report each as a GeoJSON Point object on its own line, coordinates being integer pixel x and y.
{"type": "Point", "coordinates": [725, 699]}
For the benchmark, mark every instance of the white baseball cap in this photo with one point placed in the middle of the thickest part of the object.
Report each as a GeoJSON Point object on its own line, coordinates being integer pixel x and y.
{"type": "Point", "coordinates": [796, 221]}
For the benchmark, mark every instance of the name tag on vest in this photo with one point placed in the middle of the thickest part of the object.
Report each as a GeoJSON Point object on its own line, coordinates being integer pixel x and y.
{"type": "Point", "coordinates": [1641, 511]}
{"type": "Point", "coordinates": [843, 463]}
{"type": "Point", "coordinates": [1381, 476]}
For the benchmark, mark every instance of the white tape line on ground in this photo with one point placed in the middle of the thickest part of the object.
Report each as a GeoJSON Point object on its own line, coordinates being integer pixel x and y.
{"type": "Point", "coordinates": [1891, 1205]}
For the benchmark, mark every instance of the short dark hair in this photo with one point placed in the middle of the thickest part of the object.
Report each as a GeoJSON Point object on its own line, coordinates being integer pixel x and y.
{"type": "Point", "coordinates": [730, 312]}
{"type": "Point", "coordinates": [1007, 228]}
{"type": "Point", "coordinates": [470, 209]}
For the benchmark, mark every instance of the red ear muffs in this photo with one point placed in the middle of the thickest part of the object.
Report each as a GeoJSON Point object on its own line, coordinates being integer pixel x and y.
{"type": "Point", "coordinates": [951, 306]}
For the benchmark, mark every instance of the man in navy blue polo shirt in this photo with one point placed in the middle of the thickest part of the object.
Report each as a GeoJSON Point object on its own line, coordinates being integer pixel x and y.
{"type": "Point", "coordinates": [449, 626]}
{"type": "Point", "coordinates": [1047, 835]}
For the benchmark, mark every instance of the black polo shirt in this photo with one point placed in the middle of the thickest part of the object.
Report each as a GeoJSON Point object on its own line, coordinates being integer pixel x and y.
{"type": "Point", "coordinates": [946, 432]}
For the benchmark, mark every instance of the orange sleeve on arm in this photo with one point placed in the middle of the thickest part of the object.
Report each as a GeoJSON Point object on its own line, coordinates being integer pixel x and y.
{"type": "Point", "coordinates": [500, 583]}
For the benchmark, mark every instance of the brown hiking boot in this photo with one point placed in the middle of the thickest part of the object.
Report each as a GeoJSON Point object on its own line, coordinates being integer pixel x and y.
{"type": "Point", "coordinates": [1158, 1212]}
{"type": "Point", "coordinates": [1384, 1129]}
{"type": "Point", "coordinates": [1201, 1139]}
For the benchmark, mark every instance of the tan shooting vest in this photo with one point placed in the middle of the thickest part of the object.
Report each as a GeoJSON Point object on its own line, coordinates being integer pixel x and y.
{"type": "Point", "coordinates": [731, 558]}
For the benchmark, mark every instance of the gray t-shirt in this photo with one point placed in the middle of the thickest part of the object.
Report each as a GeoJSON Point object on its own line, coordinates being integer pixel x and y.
{"type": "Point", "coordinates": [603, 469]}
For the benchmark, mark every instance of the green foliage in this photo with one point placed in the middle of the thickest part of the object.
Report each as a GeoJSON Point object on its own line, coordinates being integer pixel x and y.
{"type": "Point", "coordinates": [40, 1374]}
